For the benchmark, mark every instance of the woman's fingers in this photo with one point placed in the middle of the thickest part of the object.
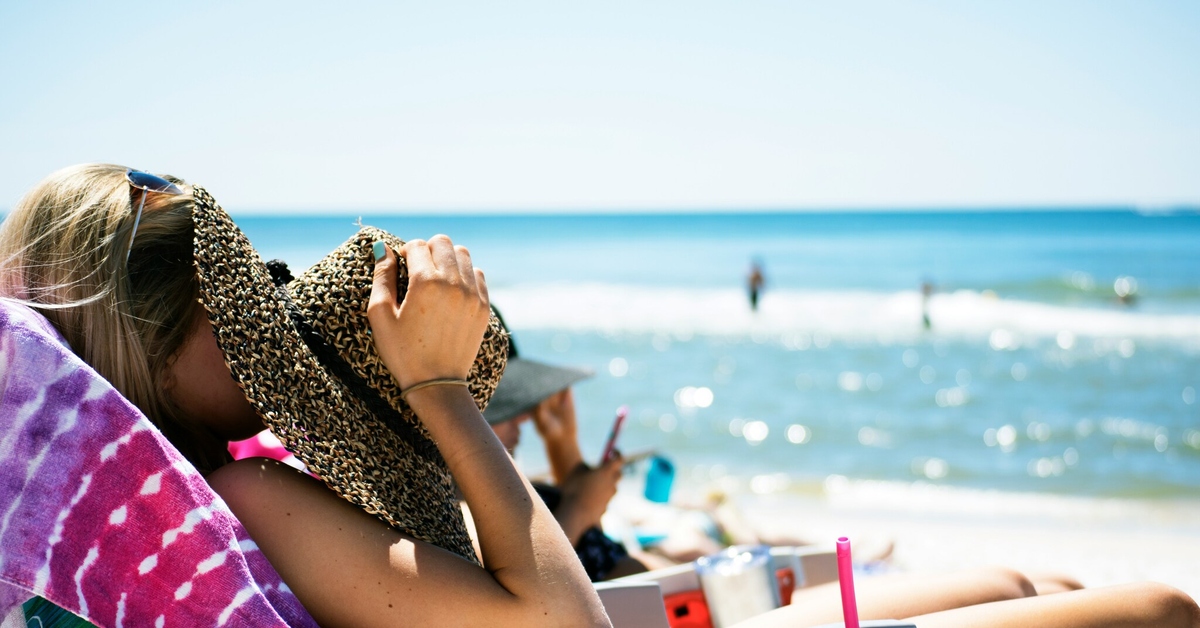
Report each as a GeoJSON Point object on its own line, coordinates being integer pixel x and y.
{"type": "Point", "coordinates": [384, 278]}
{"type": "Point", "coordinates": [444, 254]}
{"type": "Point", "coordinates": [614, 465]}
{"type": "Point", "coordinates": [434, 330]}
{"type": "Point", "coordinates": [436, 258]}
{"type": "Point", "coordinates": [418, 256]}
{"type": "Point", "coordinates": [465, 269]}
{"type": "Point", "coordinates": [449, 262]}
{"type": "Point", "coordinates": [481, 286]}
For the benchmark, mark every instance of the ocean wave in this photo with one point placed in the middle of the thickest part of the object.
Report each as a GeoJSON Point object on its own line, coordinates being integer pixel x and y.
{"type": "Point", "coordinates": [1005, 323]}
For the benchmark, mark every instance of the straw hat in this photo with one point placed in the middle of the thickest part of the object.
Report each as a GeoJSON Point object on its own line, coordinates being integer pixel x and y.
{"type": "Point", "coordinates": [526, 383]}
{"type": "Point", "coordinates": [301, 350]}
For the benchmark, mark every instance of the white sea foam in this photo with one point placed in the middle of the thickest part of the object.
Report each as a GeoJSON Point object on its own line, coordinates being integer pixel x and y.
{"type": "Point", "coordinates": [1006, 323]}
{"type": "Point", "coordinates": [922, 498]}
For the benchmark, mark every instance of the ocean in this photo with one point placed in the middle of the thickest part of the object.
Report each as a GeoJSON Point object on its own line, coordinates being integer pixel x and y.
{"type": "Point", "coordinates": [1033, 378]}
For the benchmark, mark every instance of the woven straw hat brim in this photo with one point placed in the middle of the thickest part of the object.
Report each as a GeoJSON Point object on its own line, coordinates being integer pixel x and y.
{"type": "Point", "coordinates": [525, 384]}
{"type": "Point", "coordinates": [318, 411]}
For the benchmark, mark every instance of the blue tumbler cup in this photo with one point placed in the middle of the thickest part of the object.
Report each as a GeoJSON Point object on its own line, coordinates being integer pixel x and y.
{"type": "Point", "coordinates": [659, 478]}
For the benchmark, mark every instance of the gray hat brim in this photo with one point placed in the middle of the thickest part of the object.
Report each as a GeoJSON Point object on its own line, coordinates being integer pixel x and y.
{"type": "Point", "coordinates": [525, 384]}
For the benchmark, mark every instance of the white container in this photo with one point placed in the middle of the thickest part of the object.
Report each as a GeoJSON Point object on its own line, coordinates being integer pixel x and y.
{"type": "Point", "coordinates": [738, 583]}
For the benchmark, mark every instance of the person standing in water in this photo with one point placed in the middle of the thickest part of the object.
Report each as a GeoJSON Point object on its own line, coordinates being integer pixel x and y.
{"type": "Point", "coordinates": [926, 292]}
{"type": "Point", "coordinates": [754, 282]}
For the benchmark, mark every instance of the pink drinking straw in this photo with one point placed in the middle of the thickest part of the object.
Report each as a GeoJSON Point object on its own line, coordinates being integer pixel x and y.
{"type": "Point", "coordinates": [846, 578]}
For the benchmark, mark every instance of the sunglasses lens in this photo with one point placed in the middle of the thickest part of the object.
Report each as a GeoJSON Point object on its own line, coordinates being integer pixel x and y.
{"type": "Point", "coordinates": [151, 183]}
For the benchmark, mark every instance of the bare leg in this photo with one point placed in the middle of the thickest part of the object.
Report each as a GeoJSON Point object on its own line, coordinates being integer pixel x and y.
{"type": "Point", "coordinates": [734, 527]}
{"type": "Point", "coordinates": [626, 567]}
{"type": "Point", "coordinates": [1139, 605]}
{"type": "Point", "coordinates": [1147, 604]}
{"type": "Point", "coordinates": [904, 595]}
{"type": "Point", "coordinates": [638, 562]}
{"type": "Point", "coordinates": [1047, 583]}
{"type": "Point", "coordinates": [685, 545]}
{"type": "Point", "coordinates": [651, 561]}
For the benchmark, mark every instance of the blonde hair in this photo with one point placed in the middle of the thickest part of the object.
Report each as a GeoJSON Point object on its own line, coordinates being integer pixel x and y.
{"type": "Point", "coordinates": [63, 252]}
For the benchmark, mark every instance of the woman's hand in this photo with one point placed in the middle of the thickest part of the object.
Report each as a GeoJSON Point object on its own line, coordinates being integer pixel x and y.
{"type": "Point", "coordinates": [436, 330]}
{"type": "Point", "coordinates": [554, 417]}
{"type": "Point", "coordinates": [585, 496]}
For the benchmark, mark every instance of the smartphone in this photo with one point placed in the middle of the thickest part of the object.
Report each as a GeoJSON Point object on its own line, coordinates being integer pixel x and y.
{"type": "Point", "coordinates": [634, 458]}
{"type": "Point", "coordinates": [611, 445]}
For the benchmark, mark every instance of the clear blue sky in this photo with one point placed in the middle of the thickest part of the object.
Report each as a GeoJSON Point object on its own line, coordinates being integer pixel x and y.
{"type": "Point", "coordinates": [363, 106]}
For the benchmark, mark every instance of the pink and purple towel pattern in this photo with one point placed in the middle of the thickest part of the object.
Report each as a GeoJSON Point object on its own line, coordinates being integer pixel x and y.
{"type": "Point", "coordinates": [100, 515]}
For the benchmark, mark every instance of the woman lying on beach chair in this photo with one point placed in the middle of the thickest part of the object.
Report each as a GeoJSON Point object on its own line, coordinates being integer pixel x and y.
{"type": "Point", "coordinates": [152, 284]}
{"type": "Point", "coordinates": [371, 368]}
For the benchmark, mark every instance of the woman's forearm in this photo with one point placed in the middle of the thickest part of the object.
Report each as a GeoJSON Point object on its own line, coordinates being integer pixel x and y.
{"type": "Point", "coordinates": [432, 332]}
{"type": "Point", "coordinates": [564, 457]}
{"type": "Point", "coordinates": [522, 544]}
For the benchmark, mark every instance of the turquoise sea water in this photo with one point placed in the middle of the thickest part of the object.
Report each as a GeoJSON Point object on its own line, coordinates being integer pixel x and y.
{"type": "Point", "coordinates": [1033, 378]}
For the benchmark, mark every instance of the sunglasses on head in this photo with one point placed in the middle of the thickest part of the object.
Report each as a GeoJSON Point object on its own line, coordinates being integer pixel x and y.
{"type": "Point", "coordinates": [147, 183]}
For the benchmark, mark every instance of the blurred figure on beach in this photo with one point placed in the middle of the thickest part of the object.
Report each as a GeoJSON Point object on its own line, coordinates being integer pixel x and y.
{"type": "Point", "coordinates": [1125, 288]}
{"type": "Point", "coordinates": [754, 282]}
{"type": "Point", "coordinates": [926, 292]}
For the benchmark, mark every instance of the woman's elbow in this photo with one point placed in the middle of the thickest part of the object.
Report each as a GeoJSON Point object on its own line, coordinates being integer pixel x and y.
{"type": "Point", "coordinates": [567, 610]}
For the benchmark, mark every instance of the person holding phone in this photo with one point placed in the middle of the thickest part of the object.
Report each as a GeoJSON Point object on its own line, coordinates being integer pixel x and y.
{"type": "Point", "coordinates": [535, 391]}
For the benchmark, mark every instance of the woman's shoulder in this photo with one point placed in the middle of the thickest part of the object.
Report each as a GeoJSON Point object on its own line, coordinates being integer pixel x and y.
{"type": "Point", "coordinates": [251, 482]}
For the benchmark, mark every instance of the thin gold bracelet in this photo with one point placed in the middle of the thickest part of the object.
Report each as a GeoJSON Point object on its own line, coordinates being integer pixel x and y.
{"type": "Point", "coordinates": [433, 382]}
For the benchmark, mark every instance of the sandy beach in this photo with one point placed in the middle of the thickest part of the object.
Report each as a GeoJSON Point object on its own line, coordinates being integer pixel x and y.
{"type": "Point", "coordinates": [1099, 541]}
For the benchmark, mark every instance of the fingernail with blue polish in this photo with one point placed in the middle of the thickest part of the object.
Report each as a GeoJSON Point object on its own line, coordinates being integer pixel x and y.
{"type": "Point", "coordinates": [379, 249]}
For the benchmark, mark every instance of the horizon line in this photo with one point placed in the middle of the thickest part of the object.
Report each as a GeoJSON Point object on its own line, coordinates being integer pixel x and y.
{"type": "Point", "coordinates": [1144, 209]}
{"type": "Point", "coordinates": [1171, 209]}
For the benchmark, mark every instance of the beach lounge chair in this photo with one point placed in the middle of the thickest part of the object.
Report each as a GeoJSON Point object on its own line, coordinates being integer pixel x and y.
{"type": "Point", "coordinates": [103, 517]}
{"type": "Point", "coordinates": [633, 604]}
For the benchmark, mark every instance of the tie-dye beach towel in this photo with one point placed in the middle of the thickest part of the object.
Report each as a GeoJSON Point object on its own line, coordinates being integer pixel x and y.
{"type": "Point", "coordinates": [100, 515]}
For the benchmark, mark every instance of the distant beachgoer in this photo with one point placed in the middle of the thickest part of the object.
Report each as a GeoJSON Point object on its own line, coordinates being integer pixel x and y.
{"type": "Point", "coordinates": [926, 292]}
{"type": "Point", "coordinates": [1126, 290]}
{"type": "Point", "coordinates": [754, 282]}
